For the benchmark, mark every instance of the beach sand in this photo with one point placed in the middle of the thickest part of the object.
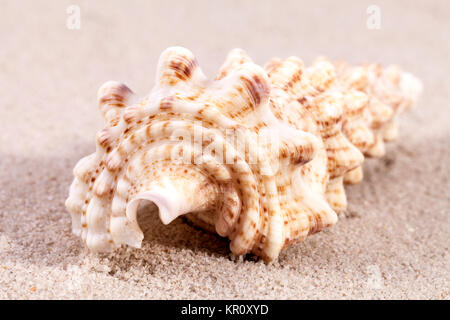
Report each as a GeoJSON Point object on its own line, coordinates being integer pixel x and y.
{"type": "Point", "coordinates": [393, 241]}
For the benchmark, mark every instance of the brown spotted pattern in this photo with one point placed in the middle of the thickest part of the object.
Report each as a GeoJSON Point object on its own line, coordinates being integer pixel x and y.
{"type": "Point", "coordinates": [256, 155]}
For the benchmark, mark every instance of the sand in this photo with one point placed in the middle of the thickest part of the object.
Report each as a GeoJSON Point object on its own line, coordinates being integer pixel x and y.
{"type": "Point", "coordinates": [393, 241]}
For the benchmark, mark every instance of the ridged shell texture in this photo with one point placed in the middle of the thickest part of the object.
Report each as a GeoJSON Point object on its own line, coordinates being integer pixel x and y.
{"type": "Point", "coordinates": [258, 155]}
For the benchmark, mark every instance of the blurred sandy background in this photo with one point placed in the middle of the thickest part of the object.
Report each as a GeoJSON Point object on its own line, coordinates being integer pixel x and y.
{"type": "Point", "coordinates": [394, 240]}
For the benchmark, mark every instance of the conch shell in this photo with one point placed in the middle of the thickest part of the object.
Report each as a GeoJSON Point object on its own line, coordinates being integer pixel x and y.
{"type": "Point", "coordinates": [257, 155]}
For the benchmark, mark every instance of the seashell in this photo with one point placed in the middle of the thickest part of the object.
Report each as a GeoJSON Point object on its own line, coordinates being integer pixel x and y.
{"type": "Point", "coordinates": [257, 155]}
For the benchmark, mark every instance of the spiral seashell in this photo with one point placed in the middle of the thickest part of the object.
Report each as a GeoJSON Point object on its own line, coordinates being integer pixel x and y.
{"type": "Point", "coordinates": [257, 155]}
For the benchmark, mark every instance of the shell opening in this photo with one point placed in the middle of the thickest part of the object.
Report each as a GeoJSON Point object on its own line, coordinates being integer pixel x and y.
{"type": "Point", "coordinates": [175, 196]}
{"type": "Point", "coordinates": [169, 205]}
